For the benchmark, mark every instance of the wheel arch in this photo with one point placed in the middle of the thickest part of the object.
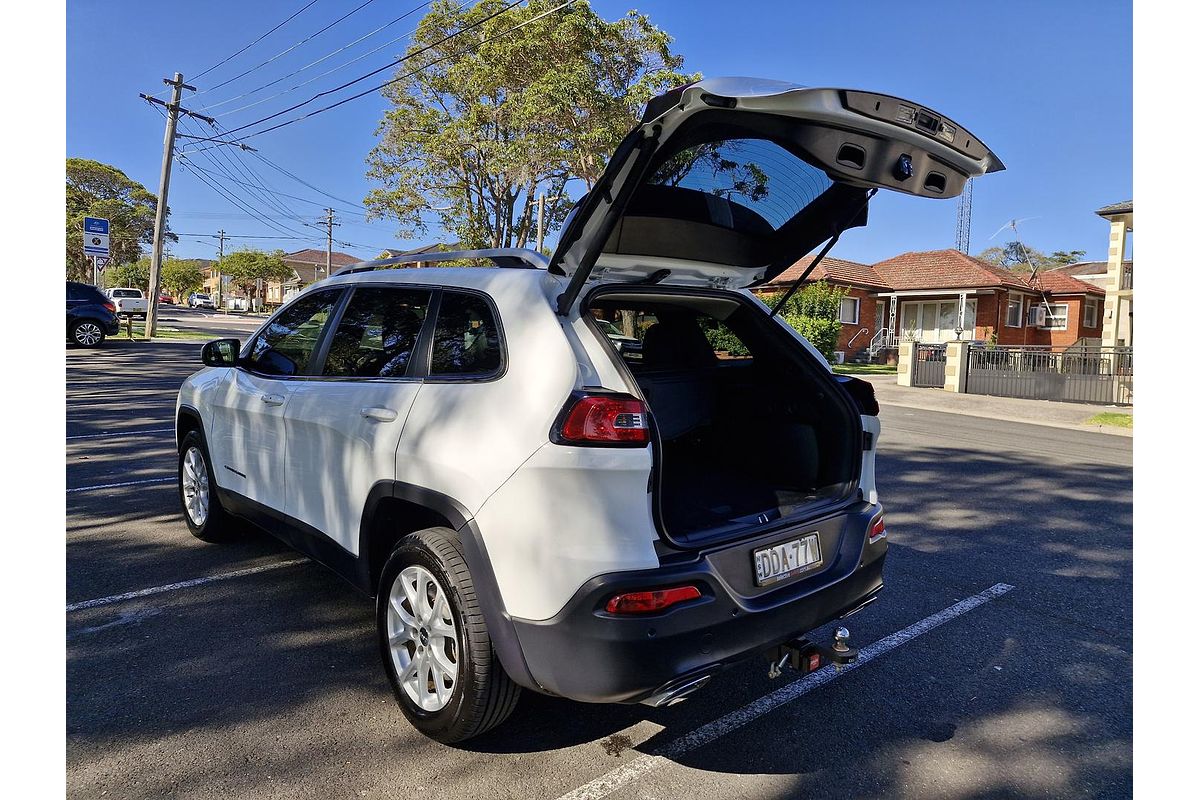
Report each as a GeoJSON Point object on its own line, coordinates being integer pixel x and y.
{"type": "Point", "coordinates": [187, 419]}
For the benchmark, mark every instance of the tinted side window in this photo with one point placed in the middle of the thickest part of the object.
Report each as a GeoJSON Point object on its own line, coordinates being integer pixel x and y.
{"type": "Point", "coordinates": [73, 291]}
{"type": "Point", "coordinates": [377, 333]}
{"type": "Point", "coordinates": [466, 339]}
{"type": "Point", "coordinates": [287, 342]}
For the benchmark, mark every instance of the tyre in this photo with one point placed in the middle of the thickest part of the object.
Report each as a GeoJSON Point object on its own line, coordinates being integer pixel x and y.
{"type": "Point", "coordinates": [434, 643]}
{"type": "Point", "coordinates": [87, 333]}
{"type": "Point", "coordinates": [206, 519]}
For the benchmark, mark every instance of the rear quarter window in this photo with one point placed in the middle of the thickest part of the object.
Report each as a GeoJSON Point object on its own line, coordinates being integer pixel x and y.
{"type": "Point", "coordinates": [466, 338]}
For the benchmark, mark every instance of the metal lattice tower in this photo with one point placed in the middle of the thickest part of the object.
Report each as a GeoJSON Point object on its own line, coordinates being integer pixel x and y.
{"type": "Point", "coordinates": [962, 236]}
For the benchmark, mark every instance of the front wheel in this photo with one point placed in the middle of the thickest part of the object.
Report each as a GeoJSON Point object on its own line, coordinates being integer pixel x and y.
{"type": "Point", "coordinates": [206, 518]}
{"type": "Point", "coordinates": [434, 642]}
{"type": "Point", "coordinates": [87, 333]}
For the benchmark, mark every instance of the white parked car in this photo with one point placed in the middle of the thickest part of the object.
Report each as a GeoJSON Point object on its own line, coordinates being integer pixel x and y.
{"type": "Point", "coordinates": [200, 300]}
{"type": "Point", "coordinates": [129, 302]}
{"type": "Point", "coordinates": [532, 507]}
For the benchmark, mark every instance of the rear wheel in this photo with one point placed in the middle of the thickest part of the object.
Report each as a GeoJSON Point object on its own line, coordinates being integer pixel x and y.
{"type": "Point", "coordinates": [87, 333]}
{"type": "Point", "coordinates": [434, 642]}
{"type": "Point", "coordinates": [206, 518]}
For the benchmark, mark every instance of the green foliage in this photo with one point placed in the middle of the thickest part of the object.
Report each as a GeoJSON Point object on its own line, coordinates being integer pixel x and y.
{"type": "Point", "coordinates": [1017, 257]}
{"type": "Point", "coordinates": [814, 312]}
{"type": "Point", "coordinates": [721, 338]}
{"type": "Point", "coordinates": [135, 275]}
{"type": "Point", "coordinates": [246, 267]}
{"type": "Point", "coordinates": [181, 277]}
{"type": "Point", "coordinates": [99, 190]}
{"type": "Point", "coordinates": [484, 129]}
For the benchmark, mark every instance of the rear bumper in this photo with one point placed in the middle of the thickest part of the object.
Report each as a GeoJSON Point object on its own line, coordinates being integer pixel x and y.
{"type": "Point", "coordinates": [586, 654]}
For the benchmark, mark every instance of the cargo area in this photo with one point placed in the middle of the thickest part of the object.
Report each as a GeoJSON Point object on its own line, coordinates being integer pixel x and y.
{"type": "Point", "coordinates": [750, 428]}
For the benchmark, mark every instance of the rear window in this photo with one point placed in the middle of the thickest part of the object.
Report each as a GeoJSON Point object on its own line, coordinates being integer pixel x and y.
{"type": "Point", "coordinates": [750, 175]}
{"type": "Point", "coordinates": [126, 293]}
{"type": "Point", "coordinates": [85, 292]}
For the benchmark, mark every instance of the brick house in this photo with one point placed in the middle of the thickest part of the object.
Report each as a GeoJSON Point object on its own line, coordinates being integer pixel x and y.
{"type": "Point", "coordinates": [308, 266]}
{"type": "Point", "coordinates": [925, 295]}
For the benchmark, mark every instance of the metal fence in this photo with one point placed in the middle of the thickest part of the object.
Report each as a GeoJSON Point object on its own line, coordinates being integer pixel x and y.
{"type": "Point", "coordinates": [930, 367]}
{"type": "Point", "coordinates": [1078, 375]}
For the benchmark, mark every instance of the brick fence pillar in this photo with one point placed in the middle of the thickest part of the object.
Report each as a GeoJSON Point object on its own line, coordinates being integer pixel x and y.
{"type": "Point", "coordinates": [956, 367]}
{"type": "Point", "coordinates": [906, 362]}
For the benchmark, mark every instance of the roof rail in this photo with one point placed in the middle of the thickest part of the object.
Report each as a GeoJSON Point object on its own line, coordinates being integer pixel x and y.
{"type": "Point", "coordinates": [512, 257]}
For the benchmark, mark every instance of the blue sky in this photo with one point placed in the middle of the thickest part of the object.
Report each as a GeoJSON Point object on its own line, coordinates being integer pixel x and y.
{"type": "Point", "coordinates": [1048, 86]}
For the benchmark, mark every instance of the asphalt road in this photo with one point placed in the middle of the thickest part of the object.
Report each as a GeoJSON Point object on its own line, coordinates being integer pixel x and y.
{"type": "Point", "coordinates": [268, 683]}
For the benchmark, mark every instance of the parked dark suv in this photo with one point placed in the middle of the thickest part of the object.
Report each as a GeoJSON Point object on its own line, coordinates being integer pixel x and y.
{"type": "Point", "coordinates": [90, 315]}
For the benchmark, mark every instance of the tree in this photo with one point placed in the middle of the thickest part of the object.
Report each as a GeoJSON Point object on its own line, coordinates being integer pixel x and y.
{"type": "Point", "coordinates": [1064, 257]}
{"type": "Point", "coordinates": [477, 136]}
{"type": "Point", "coordinates": [135, 275]}
{"type": "Point", "coordinates": [99, 190]}
{"type": "Point", "coordinates": [181, 277]}
{"type": "Point", "coordinates": [1016, 257]}
{"type": "Point", "coordinates": [815, 313]}
{"type": "Point", "coordinates": [246, 267]}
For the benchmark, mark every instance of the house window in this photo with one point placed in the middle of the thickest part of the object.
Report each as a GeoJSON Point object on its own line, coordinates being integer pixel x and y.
{"type": "Point", "coordinates": [935, 322]}
{"type": "Point", "coordinates": [1056, 319]}
{"type": "Point", "coordinates": [1013, 314]}
{"type": "Point", "coordinates": [849, 310]}
{"type": "Point", "coordinates": [1091, 309]}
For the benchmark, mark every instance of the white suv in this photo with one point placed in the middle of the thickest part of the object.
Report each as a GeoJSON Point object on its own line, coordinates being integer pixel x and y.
{"type": "Point", "coordinates": [532, 506]}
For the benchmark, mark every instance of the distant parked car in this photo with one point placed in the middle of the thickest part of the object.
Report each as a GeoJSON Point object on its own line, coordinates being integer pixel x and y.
{"type": "Point", "coordinates": [90, 315]}
{"type": "Point", "coordinates": [166, 298]}
{"type": "Point", "coordinates": [624, 344]}
{"type": "Point", "coordinates": [199, 300]}
{"type": "Point", "coordinates": [129, 302]}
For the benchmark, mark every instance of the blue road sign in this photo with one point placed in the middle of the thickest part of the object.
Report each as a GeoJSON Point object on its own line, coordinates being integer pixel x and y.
{"type": "Point", "coordinates": [95, 236]}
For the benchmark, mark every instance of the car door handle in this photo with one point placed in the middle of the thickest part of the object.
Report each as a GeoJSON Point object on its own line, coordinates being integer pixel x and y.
{"type": "Point", "coordinates": [273, 399]}
{"type": "Point", "coordinates": [378, 413]}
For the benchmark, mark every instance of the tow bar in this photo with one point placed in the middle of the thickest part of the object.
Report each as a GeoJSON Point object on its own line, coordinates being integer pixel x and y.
{"type": "Point", "coordinates": [805, 656]}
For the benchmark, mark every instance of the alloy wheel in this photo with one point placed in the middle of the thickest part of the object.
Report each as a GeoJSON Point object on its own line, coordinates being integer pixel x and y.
{"type": "Point", "coordinates": [194, 481]}
{"type": "Point", "coordinates": [88, 334]}
{"type": "Point", "coordinates": [422, 638]}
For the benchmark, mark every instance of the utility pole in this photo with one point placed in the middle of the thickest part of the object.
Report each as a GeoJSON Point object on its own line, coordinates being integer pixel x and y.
{"type": "Point", "coordinates": [329, 226]}
{"type": "Point", "coordinates": [541, 212]}
{"type": "Point", "coordinates": [164, 183]}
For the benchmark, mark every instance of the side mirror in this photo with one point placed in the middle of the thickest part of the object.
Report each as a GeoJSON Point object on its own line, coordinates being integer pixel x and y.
{"type": "Point", "coordinates": [221, 353]}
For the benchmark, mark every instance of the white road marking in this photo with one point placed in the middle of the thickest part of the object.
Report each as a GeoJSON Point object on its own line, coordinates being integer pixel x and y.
{"type": "Point", "coordinates": [170, 587]}
{"type": "Point", "coordinates": [118, 485]}
{"type": "Point", "coordinates": [611, 781]}
{"type": "Point", "coordinates": [119, 433]}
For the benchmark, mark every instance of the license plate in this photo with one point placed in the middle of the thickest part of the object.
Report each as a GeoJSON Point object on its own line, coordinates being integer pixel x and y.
{"type": "Point", "coordinates": [780, 561]}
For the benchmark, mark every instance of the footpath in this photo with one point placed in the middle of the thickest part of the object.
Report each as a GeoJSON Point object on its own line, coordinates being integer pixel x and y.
{"type": "Point", "coordinates": [1035, 412]}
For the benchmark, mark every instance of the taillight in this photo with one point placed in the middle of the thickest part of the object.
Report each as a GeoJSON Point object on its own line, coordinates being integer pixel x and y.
{"type": "Point", "coordinates": [111, 306]}
{"type": "Point", "coordinates": [878, 530]}
{"type": "Point", "coordinates": [649, 602]}
{"type": "Point", "coordinates": [605, 420]}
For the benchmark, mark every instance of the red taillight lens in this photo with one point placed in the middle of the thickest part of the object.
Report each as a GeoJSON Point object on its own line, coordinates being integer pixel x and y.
{"type": "Point", "coordinates": [111, 307]}
{"type": "Point", "coordinates": [606, 420]}
{"type": "Point", "coordinates": [649, 602]}
{"type": "Point", "coordinates": [878, 530]}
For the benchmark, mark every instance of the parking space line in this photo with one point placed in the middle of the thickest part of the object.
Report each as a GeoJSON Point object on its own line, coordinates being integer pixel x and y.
{"type": "Point", "coordinates": [615, 779]}
{"type": "Point", "coordinates": [119, 433]}
{"type": "Point", "coordinates": [170, 587]}
{"type": "Point", "coordinates": [118, 485]}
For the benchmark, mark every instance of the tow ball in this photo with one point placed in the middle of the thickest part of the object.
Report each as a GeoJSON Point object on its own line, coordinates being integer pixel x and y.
{"type": "Point", "coordinates": [805, 656]}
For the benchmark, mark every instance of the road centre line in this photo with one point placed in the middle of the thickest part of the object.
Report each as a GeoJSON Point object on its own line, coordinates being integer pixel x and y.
{"type": "Point", "coordinates": [615, 779]}
{"type": "Point", "coordinates": [119, 485]}
{"type": "Point", "coordinates": [170, 587]}
{"type": "Point", "coordinates": [119, 433]}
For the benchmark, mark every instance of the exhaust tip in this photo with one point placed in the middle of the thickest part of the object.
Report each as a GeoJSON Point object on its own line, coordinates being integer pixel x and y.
{"type": "Point", "coordinates": [674, 693]}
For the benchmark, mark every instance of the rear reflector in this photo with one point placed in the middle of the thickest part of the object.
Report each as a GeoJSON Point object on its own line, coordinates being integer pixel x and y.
{"type": "Point", "coordinates": [606, 419]}
{"type": "Point", "coordinates": [878, 530]}
{"type": "Point", "coordinates": [648, 602]}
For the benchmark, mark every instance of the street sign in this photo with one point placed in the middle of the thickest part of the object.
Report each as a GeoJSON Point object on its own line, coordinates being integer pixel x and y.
{"type": "Point", "coordinates": [95, 236]}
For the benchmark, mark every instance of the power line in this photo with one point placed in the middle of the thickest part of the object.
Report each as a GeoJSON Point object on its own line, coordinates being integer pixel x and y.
{"type": "Point", "coordinates": [256, 41]}
{"type": "Point", "coordinates": [242, 183]}
{"type": "Point", "coordinates": [290, 49]}
{"type": "Point", "coordinates": [312, 64]}
{"type": "Point", "coordinates": [361, 78]}
{"type": "Point", "coordinates": [300, 180]}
